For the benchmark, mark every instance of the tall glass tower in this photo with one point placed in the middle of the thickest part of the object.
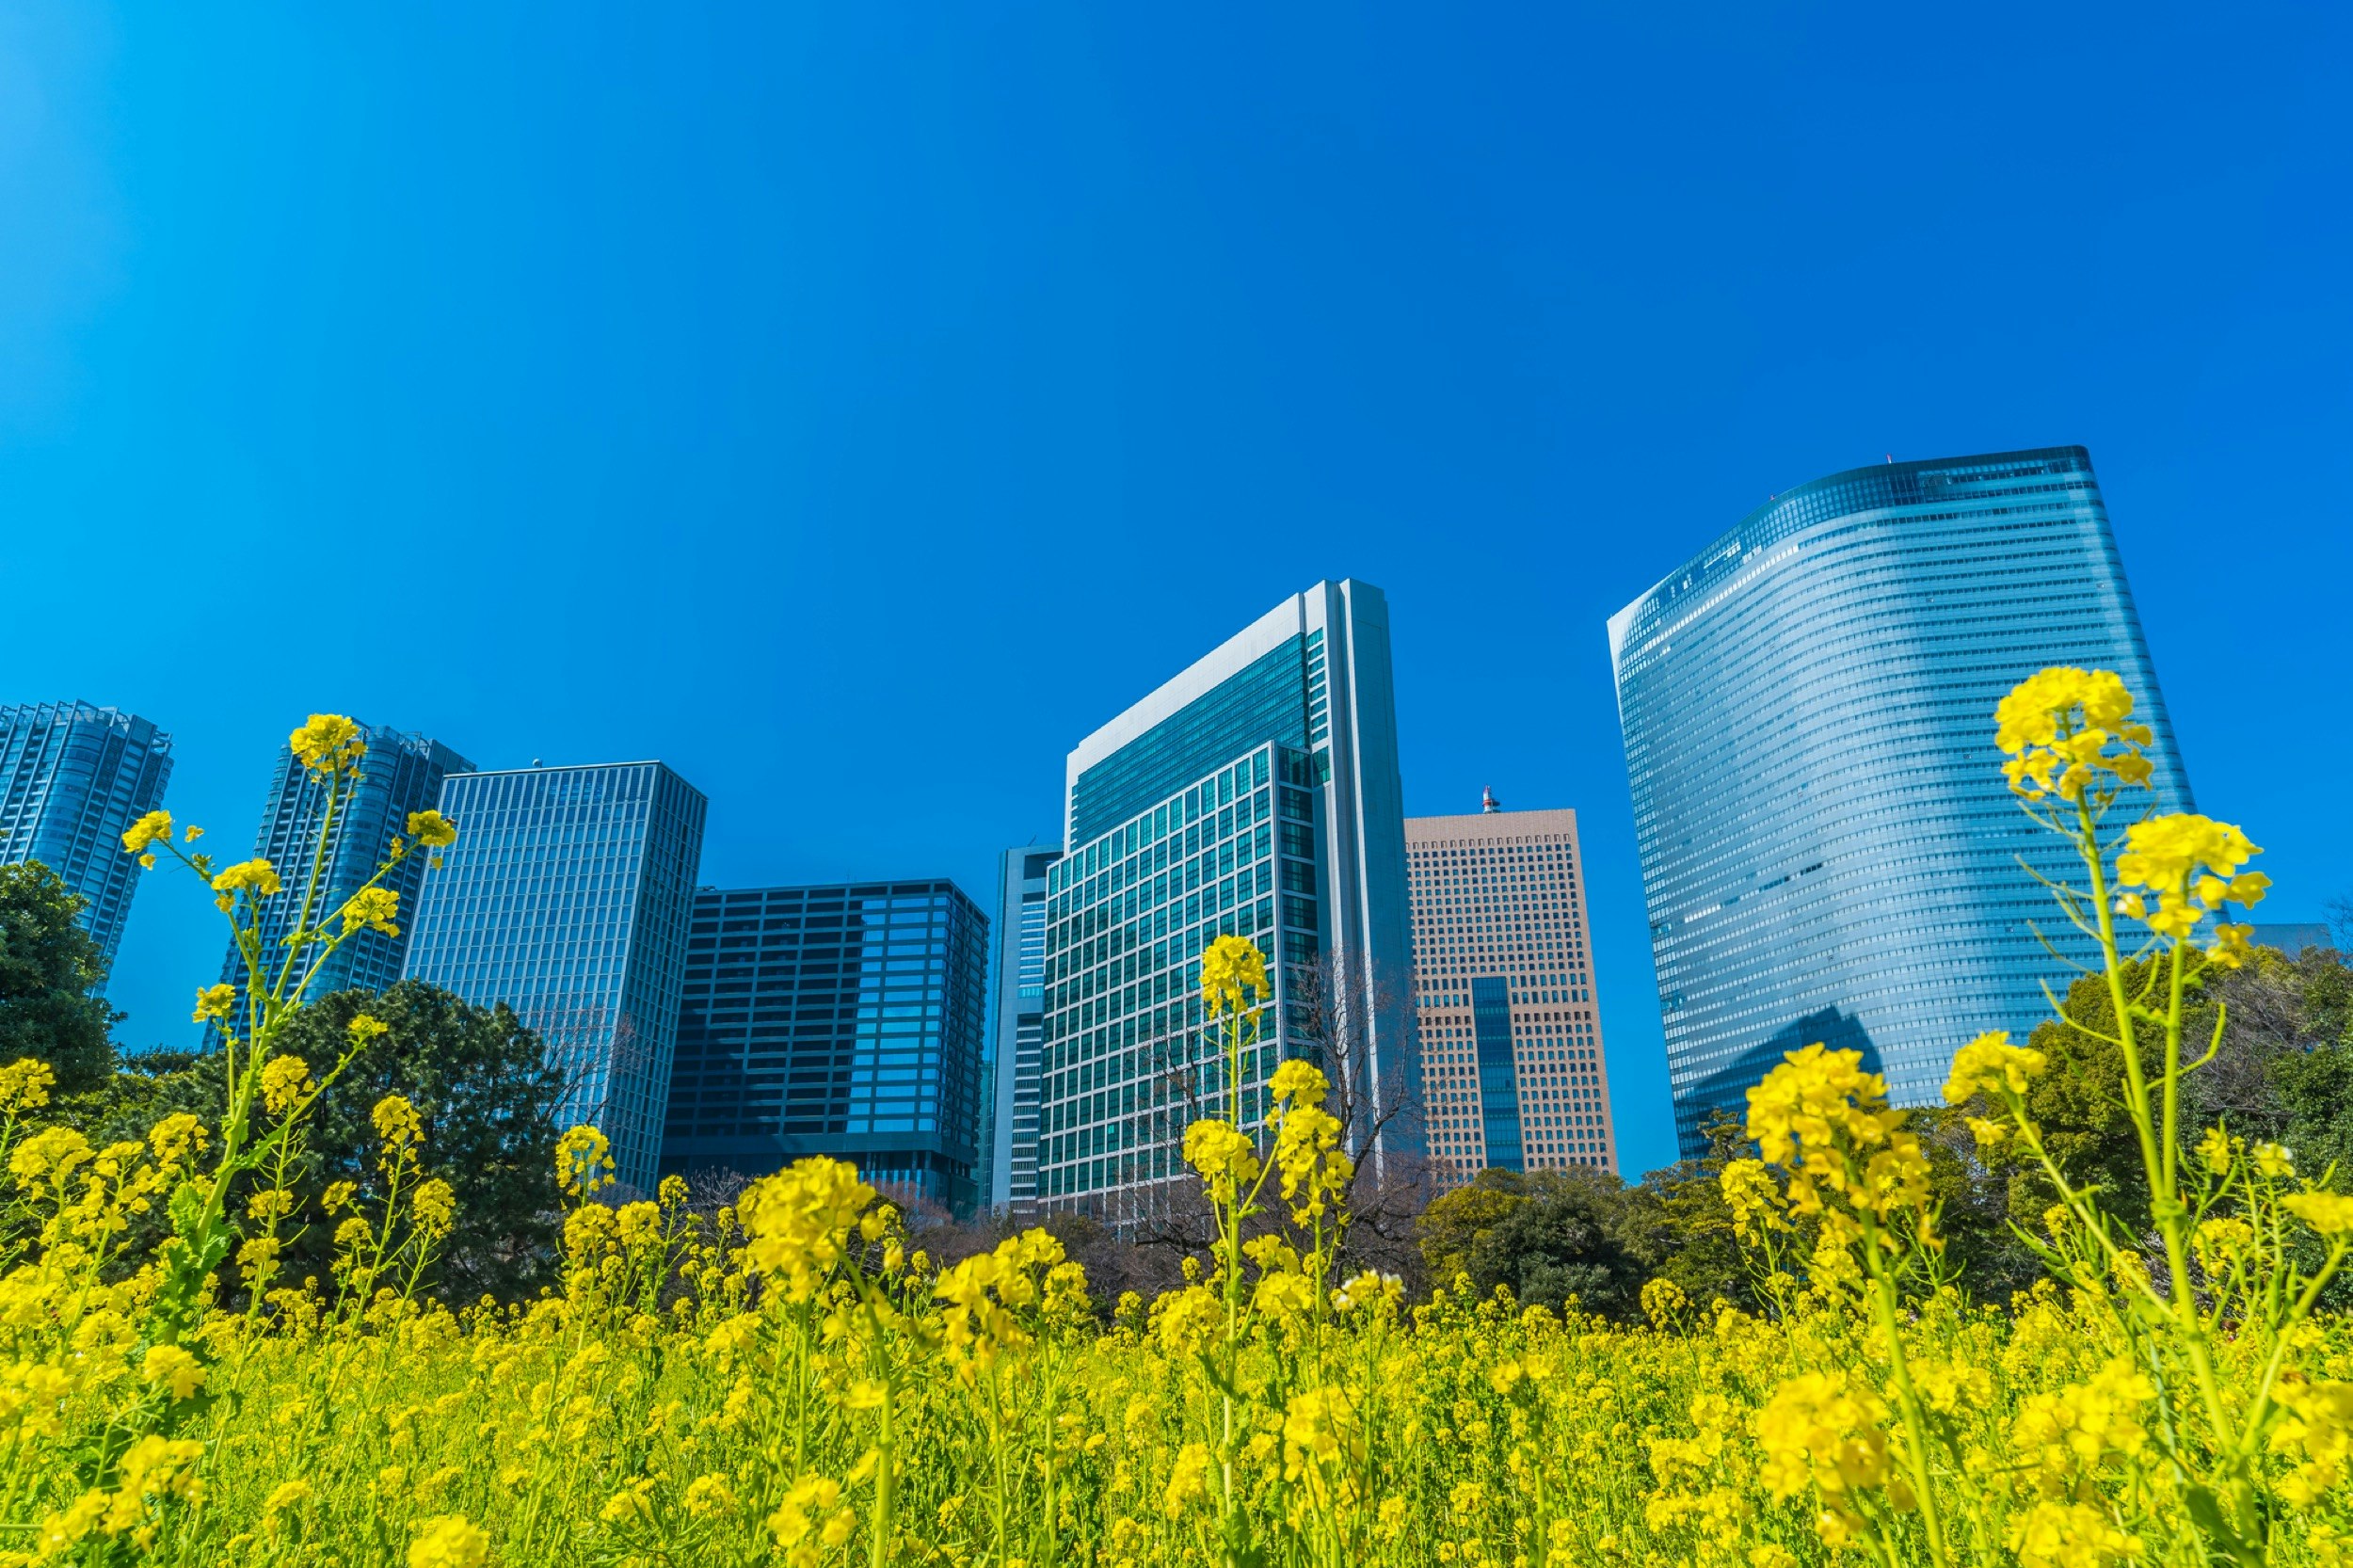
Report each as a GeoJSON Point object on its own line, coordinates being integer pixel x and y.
{"type": "Point", "coordinates": [1256, 795]}
{"type": "Point", "coordinates": [74, 777]}
{"type": "Point", "coordinates": [402, 773]}
{"type": "Point", "coordinates": [1829, 850]}
{"type": "Point", "coordinates": [1016, 1030]}
{"type": "Point", "coordinates": [834, 1020]}
{"type": "Point", "coordinates": [567, 897]}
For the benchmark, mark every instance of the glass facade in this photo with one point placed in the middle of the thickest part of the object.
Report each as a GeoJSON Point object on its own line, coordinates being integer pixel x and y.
{"type": "Point", "coordinates": [1011, 1074]}
{"type": "Point", "coordinates": [841, 1020]}
{"type": "Point", "coordinates": [567, 896]}
{"type": "Point", "coordinates": [1514, 1072]}
{"type": "Point", "coordinates": [74, 777]}
{"type": "Point", "coordinates": [402, 772]}
{"type": "Point", "coordinates": [1256, 794]}
{"type": "Point", "coordinates": [1828, 851]}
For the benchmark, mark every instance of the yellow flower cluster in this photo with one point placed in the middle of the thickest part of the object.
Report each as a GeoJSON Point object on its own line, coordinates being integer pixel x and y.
{"type": "Point", "coordinates": [801, 1223]}
{"type": "Point", "coordinates": [1825, 1120]}
{"type": "Point", "coordinates": [330, 743]}
{"type": "Point", "coordinates": [2063, 727]}
{"type": "Point", "coordinates": [2189, 865]}
{"type": "Point", "coordinates": [1233, 976]}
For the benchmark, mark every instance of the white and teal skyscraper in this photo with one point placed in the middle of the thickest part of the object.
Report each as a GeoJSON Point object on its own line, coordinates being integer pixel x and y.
{"type": "Point", "coordinates": [74, 777]}
{"type": "Point", "coordinates": [568, 897]}
{"type": "Point", "coordinates": [1829, 850]}
{"type": "Point", "coordinates": [1257, 793]}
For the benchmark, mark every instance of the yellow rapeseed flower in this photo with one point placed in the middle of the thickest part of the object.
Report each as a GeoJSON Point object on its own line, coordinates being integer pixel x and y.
{"type": "Point", "coordinates": [583, 1161]}
{"type": "Point", "coordinates": [1188, 1481]}
{"type": "Point", "coordinates": [2330, 1213]}
{"type": "Point", "coordinates": [257, 878]}
{"type": "Point", "coordinates": [372, 909]}
{"type": "Point", "coordinates": [2058, 727]}
{"type": "Point", "coordinates": [284, 1080]}
{"type": "Point", "coordinates": [2190, 865]}
{"type": "Point", "coordinates": [800, 1223]}
{"type": "Point", "coordinates": [171, 1367]}
{"type": "Point", "coordinates": [25, 1085]}
{"type": "Point", "coordinates": [1823, 1118]}
{"type": "Point", "coordinates": [1233, 976]}
{"type": "Point", "coordinates": [330, 743]}
{"type": "Point", "coordinates": [153, 828]}
{"type": "Point", "coordinates": [449, 1541]}
{"type": "Point", "coordinates": [215, 1002]}
{"type": "Point", "coordinates": [396, 1121]}
{"type": "Point", "coordinates": [432, 829]}
{"type": "Point", "coordinates": [1224, 1155]}
{"type": "Point", "coordinates": [1990, 1065]}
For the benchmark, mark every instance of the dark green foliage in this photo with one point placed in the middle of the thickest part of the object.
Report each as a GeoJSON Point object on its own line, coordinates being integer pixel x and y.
{"type": "Point", "coordinates": [2078, 1101]}
{"type": "Point", "coordinates": [1983, 1254]}
{"type": "Point", "coordinates": [1550, 1235]}
{"type": "Point", "coordinates": [1682, 1226]}
{"type": "Point", "coordinates": [479, 1081]}
{"type": "Point", "coordinates": [49, 967]}
{"type": "Point", "coordinates": [482, 1084]}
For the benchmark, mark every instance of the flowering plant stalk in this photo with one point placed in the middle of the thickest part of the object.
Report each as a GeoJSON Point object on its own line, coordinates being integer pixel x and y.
{"type": "Point", "coordinates": [2073, 753]}
{"type": "Point", "coordinates": [331, 749]}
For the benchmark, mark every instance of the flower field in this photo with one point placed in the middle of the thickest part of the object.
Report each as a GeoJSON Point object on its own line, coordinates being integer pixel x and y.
{"type": "Point", "coordinates": [791, 1381]}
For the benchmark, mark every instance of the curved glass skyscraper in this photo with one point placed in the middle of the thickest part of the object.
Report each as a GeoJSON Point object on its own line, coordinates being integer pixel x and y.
{"type": "Point", "coordinates": [1828, 851]}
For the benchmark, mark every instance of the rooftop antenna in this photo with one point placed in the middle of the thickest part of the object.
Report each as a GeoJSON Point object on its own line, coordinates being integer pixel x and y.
{"type": "Point", "coordinates": [1488, 805]}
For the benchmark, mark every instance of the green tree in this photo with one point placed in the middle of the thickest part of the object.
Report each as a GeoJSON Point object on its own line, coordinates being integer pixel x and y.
{"type": "Point", "coordinates": [2079, 1102]}
{"type": "Point", "coordinates": [1681, 1226]}
{"type": "Point", "coordinates": [1550, 1235]}
{"type": "Point", "coordinates": [50, 970]}
{"type": "Point", "coordinates": [482, 1084]}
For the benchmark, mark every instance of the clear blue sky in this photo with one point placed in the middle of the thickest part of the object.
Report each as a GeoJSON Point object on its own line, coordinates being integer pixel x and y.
{"type": "Point", "coordinates": [855, 406]}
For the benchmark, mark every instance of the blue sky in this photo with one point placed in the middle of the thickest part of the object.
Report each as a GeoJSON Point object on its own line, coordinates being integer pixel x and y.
{"type": "Point", "coordinates": [853, 407]}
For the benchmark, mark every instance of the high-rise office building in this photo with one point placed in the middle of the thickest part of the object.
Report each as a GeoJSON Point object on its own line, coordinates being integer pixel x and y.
{"type": "Point", "coordinates": [1513, 1073]}
{"type": "Point", "coordinates": [1829, 850]}
{"type": "Point", "coordinates": [1255, 794]}
{"type": "Point", "coordinates": [1011, 1077]}
{"type": "Point", "coordinates": [74, 777]}
{"type": "Point", "coordinates": [842, 1020]}
{"type": "Point", "coordinates": [402, 773]}
{"type": "Point", "coordinates": [567, 897]}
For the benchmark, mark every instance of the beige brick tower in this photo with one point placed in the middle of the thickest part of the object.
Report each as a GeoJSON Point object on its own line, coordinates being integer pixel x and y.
{"type": "Point", "coordinates": [1514, 1072]}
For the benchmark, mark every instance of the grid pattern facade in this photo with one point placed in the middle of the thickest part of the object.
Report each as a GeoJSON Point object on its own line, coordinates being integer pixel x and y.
{"type": "Point", "coordinates": [74, 777]}
{"type": "Point", "coordinates": [1256, 795]}
{"type": "Point", "coordinates": [1017, 1033]}
{"type": "Point", "coordinates": [1829, 852]}
{"type": "Point", "coordinates": [401, 773]}
{"type": "Point", "coordinates": [1514, 1071]}
{"type": "Point", "coordinates": [567, 896]}
{"type": "Point", "coordinates": [1282, 697]}
{"type": "Point", "coordinates": [1129, 1063]}
{"type": "Point", "coordinates": [842, 1020]}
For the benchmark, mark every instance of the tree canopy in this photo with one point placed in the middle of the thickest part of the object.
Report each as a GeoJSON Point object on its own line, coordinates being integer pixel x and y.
{"type": "Point", "coordinates": [50, 970]}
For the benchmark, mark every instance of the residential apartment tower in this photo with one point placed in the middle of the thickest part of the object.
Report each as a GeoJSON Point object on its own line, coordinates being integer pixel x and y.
{"type": "Point", "coordinates": [74, 777]}
{"type": "Point", "coordinates": [401, 772]}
